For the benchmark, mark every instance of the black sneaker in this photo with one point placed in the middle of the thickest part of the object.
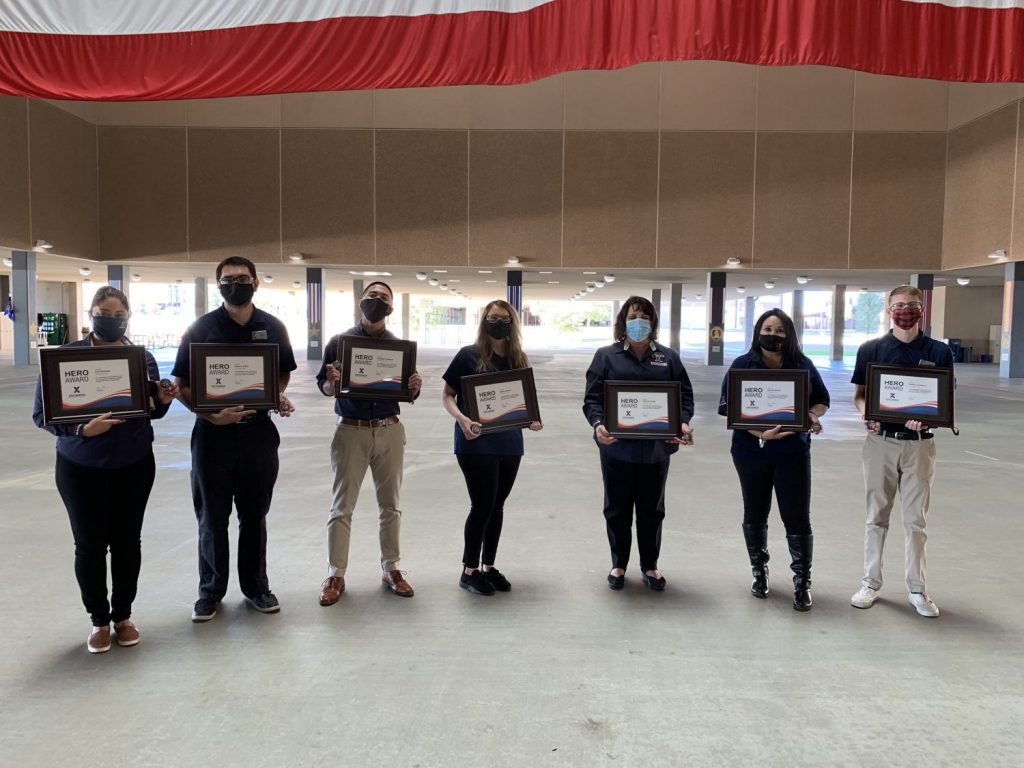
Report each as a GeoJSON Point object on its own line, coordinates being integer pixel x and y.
{"type": "Point", "coordinates": [476, 583]}
{"type": "Point", "coordinates": [616, 582]}
{"type": "Point", "coordinates": [265, 603]}
{"type": "Point", "coordinates": [497, 579]}
{"type": "Point", "coordinates": [204, 609]}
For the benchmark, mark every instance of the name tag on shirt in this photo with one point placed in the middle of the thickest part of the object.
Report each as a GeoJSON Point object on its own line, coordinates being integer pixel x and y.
{"type": "Point", "coordinates": [259, 335]}
{"type": "Point", "coordinates": [658, 359]}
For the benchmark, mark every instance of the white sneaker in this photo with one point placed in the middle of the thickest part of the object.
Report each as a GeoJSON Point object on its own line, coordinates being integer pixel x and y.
{"type": "Point", "coordinates": [924, 604]}
{"type": "Point", "coordinates": [865, 598]}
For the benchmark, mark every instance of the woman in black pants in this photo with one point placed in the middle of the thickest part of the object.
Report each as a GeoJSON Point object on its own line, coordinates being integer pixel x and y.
{"type": "Point", "coordinates": [105, 471]}
{"type": "Point", "coordinates": [772, 459]}
{"type": "Point", "coordinates": [488, 462]}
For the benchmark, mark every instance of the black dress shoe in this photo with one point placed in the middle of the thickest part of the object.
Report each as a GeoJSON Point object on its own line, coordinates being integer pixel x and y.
{"type": "Point", "coordinates": [616, 582]}
{"type": "Point", "coordinates": [497, 579]}
{"type": "Point", "coordinates": [658, 585]}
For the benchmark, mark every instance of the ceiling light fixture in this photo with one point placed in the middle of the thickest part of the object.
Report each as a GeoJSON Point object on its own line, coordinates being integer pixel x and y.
{"type": "Point", "coordinates": [590, 273]}
{"type": "Point", "coordinates": [553, 282]}
{"type": "Point", "coordinates": [421, 275]}
{"type": "Point", "coordinates": [963, 281]}
{"type": "Point", "coordinates": [296, 256]}
{"type": "Point", "coordinates": [485, 271]}
{"type": "Point", "coordinates": [8, 262]}
{"type": "Point", "coordinates": [803, 279]}
{"type": "Point", "coordinates": [590, 289]}
{"type": "Point", "coordinates": [609, 278]}
{"type": "Point", "coordinates": [268, 279]}
{"type": "Point", "coordinates": [513, 259]}
{"type": "Point", "coordinates": [732, 261]}
{"type": "Point", "coordinates": [546, 273]}
{"type": "Point", "coordinates": [490, 281]}
{"type": "Point", "coordinates": [740, 289]}
{"type": "Point", "coordinates": [369, 273]}
{"type": "Point", "coordinates": [136, 277]}
{"type": "Point", "coordinates": [296, 284]}
{"type": "Point", "coordinates": [443, 286]}
{"type": "Point", "coordinates": [599, 284]}
{"type": "Point", "coordinates": [84, 271]}
{"type": "Point", "coordinates": [43, 244]}
{"type": "Point", "coordinates": [440, 271]}
{"type": "Point", "coordinates": [433, 281]}
{"type": "Point", "coordinates": [769, 284]}
{"type": "Point", "coordinates": [999, 254]}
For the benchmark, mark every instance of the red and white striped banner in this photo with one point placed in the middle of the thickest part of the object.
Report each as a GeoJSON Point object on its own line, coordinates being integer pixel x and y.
{"type": "Point", "coordinates": [186, 49]}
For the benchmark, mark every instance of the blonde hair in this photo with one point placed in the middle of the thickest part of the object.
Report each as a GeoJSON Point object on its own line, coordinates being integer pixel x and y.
{"type": "Point", "coordinates": [516, 357]}
{"type": "Point", "coordinates": [908, 290]}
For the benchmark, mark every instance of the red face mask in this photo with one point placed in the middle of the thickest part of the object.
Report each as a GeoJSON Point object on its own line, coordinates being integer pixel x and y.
{"type": "Point", "coordinates": [905, 319]}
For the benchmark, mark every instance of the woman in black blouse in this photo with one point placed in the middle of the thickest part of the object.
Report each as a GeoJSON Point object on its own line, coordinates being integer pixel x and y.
{"type": "Point", "coordinates": [772, 459]}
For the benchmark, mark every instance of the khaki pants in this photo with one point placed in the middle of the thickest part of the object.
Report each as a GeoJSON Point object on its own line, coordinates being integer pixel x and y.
{"type": "Point", "coordinates": [353, 449]}
{"type": "Point", "coordinates": [907, 466]}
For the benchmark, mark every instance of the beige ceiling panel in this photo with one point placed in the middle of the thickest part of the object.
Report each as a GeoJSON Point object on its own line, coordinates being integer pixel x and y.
{"type": "Point", "coordinates": [804, 99]}
{"type": "Point", "coordinates": [623, 99]}
{"type": "Point", "coordinates": [422, 108]}
{"type": "Point", "coordinates": [886, 103]}
{"type": "Point", "coordinates": [708, 96]}
{"type": "Point", "coordinates": [969, 101]}
{"type": "Point", "coordinates": [534, 106]}
{"type": "Point", "coordinates": [342, 109]}
{"type": "Point", "coordinates": [148, 114]}
{"type": "Point", "coordinates": [14, 210]}
{"type": "Point", "coordinates": [241, 112]}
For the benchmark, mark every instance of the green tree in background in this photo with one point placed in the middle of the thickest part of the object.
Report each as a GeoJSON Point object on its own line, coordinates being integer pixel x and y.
{"type": "Point", "coordinates": [868, 311]}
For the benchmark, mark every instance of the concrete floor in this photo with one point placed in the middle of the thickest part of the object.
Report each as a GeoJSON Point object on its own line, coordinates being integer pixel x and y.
{"type": "Point", "coordinates": [561, 671]}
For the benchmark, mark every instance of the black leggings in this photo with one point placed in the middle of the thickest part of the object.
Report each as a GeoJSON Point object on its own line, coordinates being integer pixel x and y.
{"type": "Point", "coordinates": [489, 480]}
{"type": "Point", "coordinates": [106, 507]}
{"type": "Point", "coordinates": [791, 480]}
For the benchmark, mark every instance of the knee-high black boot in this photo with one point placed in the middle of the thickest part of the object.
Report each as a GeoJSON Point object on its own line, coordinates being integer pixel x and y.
{"type": "Point", "coordinates": [800, 549]}
{"type": "Point", "coordinates": [756, 537]}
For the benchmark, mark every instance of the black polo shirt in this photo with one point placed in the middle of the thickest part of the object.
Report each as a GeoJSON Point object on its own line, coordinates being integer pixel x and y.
{"type": "Point", "coordinates": [616, 362]}
{"type": "Point", "coordinates": [348, 407]}
{"type": "Point", "coordinates": [506, 443]}
{"type": "Point", "coordinates": [889, 350]}
{"type": "Point", "coordinates": [217, 327]}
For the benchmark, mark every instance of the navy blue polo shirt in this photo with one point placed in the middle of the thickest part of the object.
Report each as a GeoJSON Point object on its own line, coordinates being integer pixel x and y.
{"type": "Point", "coordinates": [507, 443]}
{"type": "Point", "coordinates": [348, 407]}
{"type": "Point", "coordinates": [217, 327]}
{"type": "Point", "coordinates": [121, 446]}
{"type": "Point", "coordinates": [889, 350]}
{"type": "Point", "coordinates": [744, 443]}
{"type": "Point", "coordinates": [616, 362]}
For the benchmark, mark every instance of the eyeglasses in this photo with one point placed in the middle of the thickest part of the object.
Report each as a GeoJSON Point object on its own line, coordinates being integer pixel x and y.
{"type": "Point", "coordinates": [240, 280]}
{"type": "Point", "coordinates": [120, 314]}
{"type": "Point", "coordinates": [499, 319]}
{"type": "Point", "coordinates": [910, 305]}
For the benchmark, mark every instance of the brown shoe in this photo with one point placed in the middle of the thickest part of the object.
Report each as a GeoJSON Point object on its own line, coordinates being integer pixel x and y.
{"type": "Point", "coordinates": [395, 581]}
{"type": "Point", "coordinates": [126, 633]}
{"type": "Point", "coordinates": [99, 640]}
{"type": "Point", "coordinates": [331, 589]}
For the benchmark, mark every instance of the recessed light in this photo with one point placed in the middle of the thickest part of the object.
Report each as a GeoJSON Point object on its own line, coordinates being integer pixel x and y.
{"type": "Point", "coordinates": [369, 273]}
{"type": "Point", "coordinates": [545, 273]}
{"type": "Point", "coordinates": [609, 278]}
{"type": "Point", "coordinates": [732, 261]}
{"type": "Point", "coordinates": [553, 282]}
{"type": "Point", "coordinates": [268, 279]}
{"type": "Point", "coordinates": [136, 277]}
{"type": "Point", "coordinates": [590, 289]}
{"type": "Point", "coordinates": [513, 259]}
{"type": "Point", "coordinates": [296, 256]}
{"type": "Point", "coordinates": [599, 284]}
{"type": "Point", "coordinates": [1000, 254]}
{"type": "Point", "coordinates": [769, 284]}
{"type": "Point", "coordinates": [443, 286]}
{"type": "Point", "coordinates": [740, 289]}
{"type": "Point", "coordinates": [43, 244]}
{"type": "Point", "coordinates": [590, 273]}
{"type": "Point", "coordinates": [8, 262]}
{"type": "Point", "coordinates": [963, 281]}
{"type": "Point", "coordinates": [484, 271]}
{"type": "Point", "coordinates": [296, 284]}
{"type": "Point", "coordinates": [421, 275]}
{"type": "Point", "coordinates": [440, 271]}
{"type": "Point", "coordinates": [85, 271]}
{"type": "Point", "coordinates": [803, 279]}
{"type": "Point", "coordinates": [432, 281]}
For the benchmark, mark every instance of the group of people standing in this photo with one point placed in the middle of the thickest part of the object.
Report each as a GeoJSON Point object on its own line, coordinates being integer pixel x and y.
{"type": "Point", "coordinates": [235, 457]}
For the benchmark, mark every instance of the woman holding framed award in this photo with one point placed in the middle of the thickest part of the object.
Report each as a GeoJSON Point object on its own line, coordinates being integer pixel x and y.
{"type": "Point", "coordinates": [489, 461]}
{"type": "Point", "coordinates": [105, 471]}
{"type": "Point", "coordinates": [639, 402]}
{"type": "Point", "coordinates": [775, 458]}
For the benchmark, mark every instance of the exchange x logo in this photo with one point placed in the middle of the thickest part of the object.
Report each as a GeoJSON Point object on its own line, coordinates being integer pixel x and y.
{"type": "Point", "coordinates": [218, 381]}
{"type": "Point", "coordinates": [753, 403]}
{"type": "Point", "coordinates": [892, 395]}
{"type": "Point", "coordinates": [78, 390]}
{"type": "Point", "coordinates": [362, 371]}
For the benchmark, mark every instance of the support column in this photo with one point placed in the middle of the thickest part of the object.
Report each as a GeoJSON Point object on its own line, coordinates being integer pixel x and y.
{"type": "Point", "coordinates": [715, 347]}
{"type": "Point", "coordinates": [748, 321]}
{"type": "Point", "coordinates": [118, 277]}
{"type": "Point", "coordinates": [405, 315]}
{"type": "Point", "coordinates": [315, 279]}
{"type": "Point", "coordinates": [675, 314]}
{"type": "Point", "coordinates": [357, 296]}
{"type": "Point", "coordinates": [838, 320]}
{"type": "Point", "coordinates": [71, 303]}
{"type": "Point", "coordinates": [1011, 348]}
{"type": "Point", "coordinates": [202, 295]}
{"type": "Point", "coordinates": [515, 289]}
{"type": "Point", "coordinates": [798, 314]}
{"type": "Point", "coordinates": [927, 284]}
{"type": "Point", "coordinates": [23, 298]}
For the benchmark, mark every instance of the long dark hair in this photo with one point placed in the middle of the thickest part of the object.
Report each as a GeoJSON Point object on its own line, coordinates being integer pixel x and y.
{"type": "Point", "coordinates": [791, 346]}
{"type": "Point", "coordinates": [642, 304]}
{"type": "Point", "coordinates": [515, 356]}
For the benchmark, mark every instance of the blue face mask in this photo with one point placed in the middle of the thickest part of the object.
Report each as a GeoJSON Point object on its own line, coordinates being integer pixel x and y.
{"type": "Point", "coordinates": [638, 329]}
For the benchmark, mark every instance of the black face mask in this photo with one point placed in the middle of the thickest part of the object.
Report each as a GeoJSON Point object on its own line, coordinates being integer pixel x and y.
{"type": "Point", "coordinates": [236, 294]}
{"type": "Point", "coordinates": [109, 328]}
{"type": "Point", "coordinates": [770, 342]}
{"type": "Point", "coordinates": [374, 310]}
{"type": "Point", "coordinates": [498, 330]}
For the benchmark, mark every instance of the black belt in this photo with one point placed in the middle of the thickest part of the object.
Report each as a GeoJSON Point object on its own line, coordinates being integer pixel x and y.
{"type": "Point", "coordinates": [906, 435]}
{"type": "Point", "coordinates": [368, 423]}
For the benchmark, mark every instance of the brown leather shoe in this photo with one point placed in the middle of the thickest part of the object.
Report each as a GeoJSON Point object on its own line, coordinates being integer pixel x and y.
{"type": "Point", "coordinates": [99, 640]}
{"type": "Point", "coordinates": [127, 634]}
{"type": "Point", "coordinates": [331, 589]}
{"type": "Point", "coordinates": [395, 581]}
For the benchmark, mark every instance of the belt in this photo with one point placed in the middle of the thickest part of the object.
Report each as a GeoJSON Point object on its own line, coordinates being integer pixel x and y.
{"type": "Point", "coordinates": [370, 423]}
{"type": "Point", "coordinates": [908, 435]}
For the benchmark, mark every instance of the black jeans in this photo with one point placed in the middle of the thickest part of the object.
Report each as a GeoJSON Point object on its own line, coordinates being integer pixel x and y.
{"type": "Point", "coordinates": [233, 463]}
{"type": "Point", "coordinates": [489, 480]}
{"type": "Point", "coordinates": [791, 480]}
{"type": "Point", "coordinates": [106, 507]}
{"type": "Point", "coordinates": [628, 485]}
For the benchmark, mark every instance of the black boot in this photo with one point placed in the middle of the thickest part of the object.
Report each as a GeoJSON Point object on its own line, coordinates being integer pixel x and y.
{"type": "Point", "coordinates": [800, 549]}
{"type": "Point", "coordinates": [757, 548]}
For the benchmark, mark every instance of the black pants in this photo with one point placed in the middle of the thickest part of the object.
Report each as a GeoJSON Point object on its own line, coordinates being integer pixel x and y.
{"type": "Point", "coordinates": [489, 480]}
{"type": "Point", "coordinates": [628, 486]}
{"type": "Point", "coordinates": [233, 463]}
{"type": "Point", "coordinates": [791, 480]}
{"type": "Point", "coordinates": [106, 507]}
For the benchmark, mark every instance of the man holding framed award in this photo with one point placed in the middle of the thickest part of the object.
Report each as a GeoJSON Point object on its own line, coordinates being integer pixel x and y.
{"type": "Point", "coordinates": [234, 447]}
{"type": "Point", "coordinates": [369, 434]}
{"type": "Point", "coordinates": [899, 453]}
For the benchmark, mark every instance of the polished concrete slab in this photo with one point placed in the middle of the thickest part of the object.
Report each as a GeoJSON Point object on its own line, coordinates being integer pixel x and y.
{"type": "Point", "coordinates": [561, 671]}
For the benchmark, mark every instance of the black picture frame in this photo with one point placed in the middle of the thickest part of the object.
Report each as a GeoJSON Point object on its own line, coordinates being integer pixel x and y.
{"type": "Point", "coordinates": [664, 426]}
{"type": "Point", "coordinates": [259, 395]}
{"type": "Point", "coordinates": [881, 387]}
{"type": "Point", "coordinates": [113, 376]}
{"type": "Point", "coordinates": [769, 407]}
{"type": "Point", "coordinates": [395, 387]}
{"type": "Point", "coordinates": [502, 386]}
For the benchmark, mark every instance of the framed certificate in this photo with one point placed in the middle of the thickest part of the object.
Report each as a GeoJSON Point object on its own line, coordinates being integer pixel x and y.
{"type": "Point", "coordinates": [648, 410]}
{"type": "Point", "coordinates": [376, 369]}
{"type": "Point", "coordinates": [502, 400]}
{"type": "Point", "coordinates": [80, 383]}
{"type": "Point", "coordinates": [896, 393]}
{"type": "Point", "coordinates": [762, 398]}
{"type": "Point", "coordinates": [225, 375]}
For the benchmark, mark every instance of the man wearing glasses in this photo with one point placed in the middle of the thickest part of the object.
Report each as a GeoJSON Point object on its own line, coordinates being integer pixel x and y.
{"type": "Point", "coordinates": [234, 451]}
{"type": "Point", "coordinates": [368, 435]}
{"type": "Point", "coordinates": [898, 456]}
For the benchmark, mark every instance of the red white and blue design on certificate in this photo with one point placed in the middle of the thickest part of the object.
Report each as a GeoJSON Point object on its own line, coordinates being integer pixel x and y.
{"type": "Point", "coordinates": [908, 395]}
{"type": "Point", "coordinates": [232, 378]}
{"type": "Point", "coordinates": [375, 370]}
{"type": "Point", "coordinates": [768, 401]}
{"type": "Point", "coordinates": [641, 410]}
{"type": "Point", "coordinates": [501, 403]}
{"type": "Point", "coordinates": [95, 384]}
